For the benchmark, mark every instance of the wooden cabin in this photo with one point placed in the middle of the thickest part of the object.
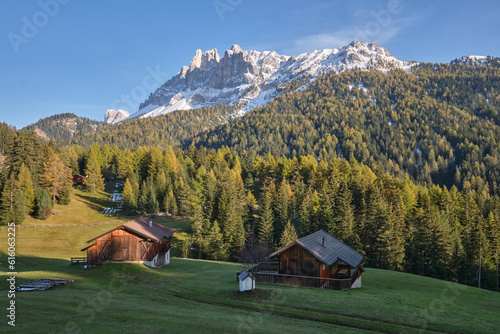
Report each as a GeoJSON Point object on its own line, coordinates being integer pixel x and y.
{"type": "Point", "coordinates": [317, 260]}
{"type": "Point", "coordinates": [78, 179]}
{"type": "Point", "coordinates": [138, 241]}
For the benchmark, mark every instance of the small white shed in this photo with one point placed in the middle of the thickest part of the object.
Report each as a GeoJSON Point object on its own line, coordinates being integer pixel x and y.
{"type": "Point", "coordinates": [247, 281]}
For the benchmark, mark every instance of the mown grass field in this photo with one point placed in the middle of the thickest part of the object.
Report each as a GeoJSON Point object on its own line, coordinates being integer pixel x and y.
{"type": "Point", "coordinates": [85, 208]}
{"type": "Point", "coordinates": [196, 296]}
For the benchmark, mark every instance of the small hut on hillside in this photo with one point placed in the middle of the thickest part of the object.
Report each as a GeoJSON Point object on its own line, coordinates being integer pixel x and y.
{"type": "Point", "coordinates": [247, 281]}
{"type": "Point", "coordinates": [317, 260]}
{"type": "Point", "coordinates": [78, 179]}
{"type": "Point", "coordinates": [138, 241]}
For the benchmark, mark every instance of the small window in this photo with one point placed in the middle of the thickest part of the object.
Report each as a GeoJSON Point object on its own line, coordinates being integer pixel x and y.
{"type": "Point", "coordinates": [343, 271]}
{"type": "Point", "coordinates": [342, 263]}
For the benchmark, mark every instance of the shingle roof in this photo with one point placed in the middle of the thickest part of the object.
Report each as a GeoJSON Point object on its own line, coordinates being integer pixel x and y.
{"type": "Point", "coordinates": [141, 227]}
{"type": "Point", "coordinates": [328, 254]}
{"type": "Point", "coordinates": [245, 275]}
{"type": "Point", "coordinates": [155, 232]}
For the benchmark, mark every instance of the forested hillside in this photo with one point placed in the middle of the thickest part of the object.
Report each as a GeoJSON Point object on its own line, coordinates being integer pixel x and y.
{"type": "Point", "coordinates": [439, 125]}
{"type": "Point", "coordinates": [177, 129]}
{"type": "Point", "coordinates": [65, 126]}
{"type": "Point", "coordinates": [33, 176]}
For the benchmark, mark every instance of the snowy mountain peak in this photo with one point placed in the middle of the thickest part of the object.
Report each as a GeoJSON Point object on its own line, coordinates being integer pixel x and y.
{"type": "Point", "coordinates": [201, 60]}
{"type": "Point", "coordinates": [236, 49]}
{"type": "Point", "coordinates": [114, 116]}
{"type": "Point", "coordinates": [250, 78]}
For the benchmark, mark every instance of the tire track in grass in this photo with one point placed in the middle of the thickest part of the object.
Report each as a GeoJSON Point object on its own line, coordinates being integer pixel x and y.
{"type": "Point", "coordinates": [271, 311]}
{"type": "Point", "coordinates": [309, 315]}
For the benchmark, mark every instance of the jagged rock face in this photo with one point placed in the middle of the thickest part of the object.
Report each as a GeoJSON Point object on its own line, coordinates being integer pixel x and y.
{"type": "Point", "coordinates": [250, 78]}
{"type": "Point", "coordinates": [114, 116]}
{"type": "Point", "coordinates": [233, 68]}
{"type": "Point", "coordinates": [201, 69]}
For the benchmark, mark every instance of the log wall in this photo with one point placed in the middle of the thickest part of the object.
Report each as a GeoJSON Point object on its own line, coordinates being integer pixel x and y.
{"type": "Point", "coordinates": [297, 261]}
{"type": "Point", "coordinates": [120, 245]}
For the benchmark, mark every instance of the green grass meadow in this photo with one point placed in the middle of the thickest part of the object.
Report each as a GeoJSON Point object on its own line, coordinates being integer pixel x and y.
{"type": "Point", "coordinates": [197, 296]}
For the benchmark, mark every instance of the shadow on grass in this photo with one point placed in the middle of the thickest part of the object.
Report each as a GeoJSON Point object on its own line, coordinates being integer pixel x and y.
{"type": "Point", "coordinates": [32, 267]}
{"type": "Point", "coordinates": [97, 278]}
{"type": "Point", "coordinates": [96, 203]}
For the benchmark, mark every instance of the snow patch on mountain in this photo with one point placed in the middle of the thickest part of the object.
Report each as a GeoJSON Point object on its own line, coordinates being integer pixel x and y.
{"type": "Point", "coordinates": [471, 60]}
{"type": "Point", "coordinates": [250, 79]}
{"type": "Point", "coordinates": [114, 116]}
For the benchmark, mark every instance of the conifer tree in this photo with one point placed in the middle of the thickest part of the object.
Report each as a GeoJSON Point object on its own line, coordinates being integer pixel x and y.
{"type": "Point", "coordinates": [289, 235]}
{"type": "Point", "coordinates": [217, 249]}
{"type": "Point", "coordinates": [65, 195]}
{"type": "Point", "coordinates": [161, 186]}
{"type": "Point", "coordinates": [182, 196]}
{"type": "Point", "coordinates": [129, 195]}
{"type": "Point", "coordinates": [170, 203]}
{"type": "Point", "coordinates": [327, 213]}
{"type": "Point", "coordinates": [143, 197]}
{"type": "Point", "coordinates": [43, 208]}
{"type": "Point", "coordinates": [55, 176]}
{"type": "Point", "coordinates": [390, 242]}
{"type": "Point", "coordinates": [156, 161]}
{"type": "Point", "coordinates": [26, 148]}
{"type": "Point", "coordinates": [251, 209]}
{"type": "Point", "coordinates": [126, 164]}
{"type": "Point", "coordinates": [493, 231]}
{"type": "Point", "coordinates": [153, 206]}
{"type": "Point", "coordinates": [25, 183]}
{"type": "Point", "coordinates": [19, 207]}
{"type": "Point", "coordinates": [199, 225]}
{"type": "Point", "coordinates": [284, 204]}
{"type": "Point", "coordinates": [12, 203]}
{"type": "Point", "coordinates": [94, 180]}
{"type": "Point", "coordinates": [344, 215]}
{"type": "Point", "coordinates": [305, 215]}
{"type": "Point", "coordinates": [266, 231]}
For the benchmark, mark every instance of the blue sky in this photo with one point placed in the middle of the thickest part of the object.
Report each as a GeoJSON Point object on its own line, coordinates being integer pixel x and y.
{"type": "Point", "coordinates": [83, 57]}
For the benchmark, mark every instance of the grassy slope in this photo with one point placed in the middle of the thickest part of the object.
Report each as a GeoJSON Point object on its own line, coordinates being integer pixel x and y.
{"type": "Point", "coordinates": [85, 208]}
{"type": "Point", "coordinates": [190, 295]}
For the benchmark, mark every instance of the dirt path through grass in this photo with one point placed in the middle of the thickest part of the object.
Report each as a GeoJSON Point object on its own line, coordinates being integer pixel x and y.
{"type": "Point", "coordinates": [298, 313]}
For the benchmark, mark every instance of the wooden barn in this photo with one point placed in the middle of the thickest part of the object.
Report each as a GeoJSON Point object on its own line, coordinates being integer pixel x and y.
{"type": "Point", "coordinates": [317, 260]}
{"type": "Point", "coordinates": [138, 241]}
{"type": "Point", "coordinates": [78, 179]}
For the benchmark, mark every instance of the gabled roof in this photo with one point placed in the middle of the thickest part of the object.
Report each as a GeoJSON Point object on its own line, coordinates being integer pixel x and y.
{"type": "Point", "coordinates": [95, 243]}
{"type": "Point", "coordinates": [244, 275]}
{"type": "Point", "coordinates": [155, 232]}
{"type": "Point", "coordinates": [333, 249]}
{"type": "Point", "coordinates": [140, 226]}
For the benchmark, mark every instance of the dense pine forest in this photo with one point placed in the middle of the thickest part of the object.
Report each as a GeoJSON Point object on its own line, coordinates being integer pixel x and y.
{"type": "Point", "coordinates": [404, 167]}
{"type": "Point", "coordinates": [176, 129]}
{"type": "Point", "coordinates": [247, 205]}
{"type": "Point", "coordinates": [439, 125]}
